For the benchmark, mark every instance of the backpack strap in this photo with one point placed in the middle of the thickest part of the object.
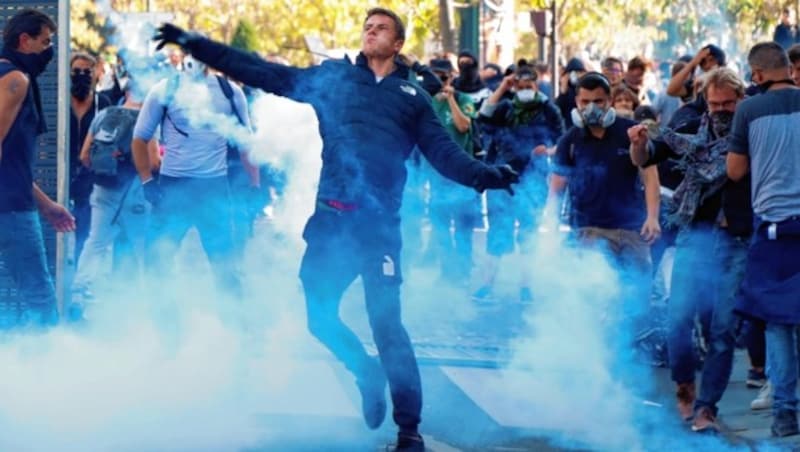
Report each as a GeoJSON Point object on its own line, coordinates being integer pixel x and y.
{"type": "Point", "coordinates": [169, 96]}
{"type": "Point", "coordinates": [227, 90]}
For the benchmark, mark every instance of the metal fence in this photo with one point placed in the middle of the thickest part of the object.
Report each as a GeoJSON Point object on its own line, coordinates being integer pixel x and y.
{"type": "Point", "coordinates": [47, 164]}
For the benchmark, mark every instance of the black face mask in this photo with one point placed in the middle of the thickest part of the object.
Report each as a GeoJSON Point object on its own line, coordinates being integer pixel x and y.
{"type": "Point", "coordinates": [721, 123]}
{"type": "Point", "coordinates": [81, 85]}
{"type": "Point", "coordinates": [468, 71]}
{"type": "Point", "coordinates": [764, 87]}
{"type": "Point", "coordinates": [444, 78]}
{"type": "Point", "coordinates": [31, 63]}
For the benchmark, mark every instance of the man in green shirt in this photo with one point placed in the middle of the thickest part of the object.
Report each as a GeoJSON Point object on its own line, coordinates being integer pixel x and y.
{"type": "Point", "coordinates": [450, 202]}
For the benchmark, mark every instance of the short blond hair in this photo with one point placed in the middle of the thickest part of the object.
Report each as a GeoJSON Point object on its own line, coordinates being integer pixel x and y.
{"type": "Point", "coordinates": [723, 77]}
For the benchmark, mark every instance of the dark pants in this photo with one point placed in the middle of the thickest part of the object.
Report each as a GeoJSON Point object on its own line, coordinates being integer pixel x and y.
{"type": "Point", "coordinates": [204, 204]}
{"type": "Point", "coordinates": [340, 247]}
{"type": "Point", "coordinates": [22, 250]}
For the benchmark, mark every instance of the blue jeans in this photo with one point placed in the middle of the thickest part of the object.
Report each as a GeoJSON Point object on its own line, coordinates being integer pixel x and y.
{"type": "Point", "coordinates": [115, 211]}
{"type": "Point", "coordinates": [782, 365]}
{"type": "Point", "coordinates": [22, 249]}
{"type": "Point", "coordinates": [341, 247]}
{"type": "Point", "coordinates": [694, 274]}
{"type": "Point", "coordinates": [720, 324]}
{"type": "Point", "coordinates": [204, 204]}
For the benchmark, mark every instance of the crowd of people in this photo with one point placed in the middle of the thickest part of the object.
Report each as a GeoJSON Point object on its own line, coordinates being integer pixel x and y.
{"type": "Point", "coordinates": [687, 185]}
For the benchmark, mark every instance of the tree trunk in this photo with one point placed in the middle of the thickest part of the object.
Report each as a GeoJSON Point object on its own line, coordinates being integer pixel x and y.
{"type": "Point", "coordinates": [446, 26]}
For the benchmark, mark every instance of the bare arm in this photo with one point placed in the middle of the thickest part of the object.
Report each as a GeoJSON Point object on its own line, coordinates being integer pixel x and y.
{"type": "Point", "coordinates": [85, 157]}
{"type": "Point", "coordinates": [155, 154]}
{"type": "Point", "coordinates": [652, 190]}
{"type": "Point", "coordinates": [676, 87]}
{"type": "Point", "coordinates": [651, 229]}
{"type": "Point", "coordinates": [55, 214]}
{"type": "Point", "coordinates": [460, 120]}
{"type": "Point", "coordinates": [638, 137]}
{"type": "Point", "coordinates": [13, 88]}
{"type": "Point", "coordinates": [738, 166]}
{"type": "Point", "coordinates": [141, 159]}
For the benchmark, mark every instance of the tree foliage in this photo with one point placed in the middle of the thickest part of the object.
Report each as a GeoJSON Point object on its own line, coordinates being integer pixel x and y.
{"type": "Point", "coordinates": [278, 26]}
{"type": "Point", "coordinates": [244, 37]}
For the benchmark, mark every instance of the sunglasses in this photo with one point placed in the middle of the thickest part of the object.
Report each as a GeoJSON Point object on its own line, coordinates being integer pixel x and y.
{"type": "Point", "coordinates": [78, 71]}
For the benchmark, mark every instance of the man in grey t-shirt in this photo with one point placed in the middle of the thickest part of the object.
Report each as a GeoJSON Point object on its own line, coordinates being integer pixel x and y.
{"type": "Point", "coordinates": [197, 118]}
{"type": "Point", "coordinates": [766, 141]}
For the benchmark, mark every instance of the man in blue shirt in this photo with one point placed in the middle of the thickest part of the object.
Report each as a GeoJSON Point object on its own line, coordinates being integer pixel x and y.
{"type": "Point", "coordinates": [369, 124]}
{"type": "Point", "coordinates": [609, 208]}
{"type": "Point", "coordinates": [764, 142]}
{"type": "Point", "coordinates": [27, 49]}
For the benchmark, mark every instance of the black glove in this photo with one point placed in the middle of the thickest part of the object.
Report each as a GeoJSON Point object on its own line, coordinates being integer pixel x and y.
{"type": "Point", "coordinates": [497, 176]}
{"type": "Point", "coordinates": [152, 192]}
{"type": "Point", "coordinates": [171, 34]}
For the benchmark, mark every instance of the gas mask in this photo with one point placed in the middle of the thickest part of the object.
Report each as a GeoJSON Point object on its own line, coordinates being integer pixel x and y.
{"type": "Point", "coordinates": [593, 116]}
{"type": "Point", "coordinates": [193, 67]}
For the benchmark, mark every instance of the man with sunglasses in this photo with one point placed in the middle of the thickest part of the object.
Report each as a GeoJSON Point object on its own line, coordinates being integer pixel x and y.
{"type": "Point", "coordinates": [609, 210]}
{"type": "Point", "coordinates": [84, 106]}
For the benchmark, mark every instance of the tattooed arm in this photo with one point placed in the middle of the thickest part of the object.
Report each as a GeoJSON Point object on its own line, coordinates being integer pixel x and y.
{"type": "Point", "coordinates": [13, 88]}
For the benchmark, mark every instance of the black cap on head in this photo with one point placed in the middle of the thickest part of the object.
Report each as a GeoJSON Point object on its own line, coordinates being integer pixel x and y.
{"type": "Point", "coordinates": [525, 72]}
{"type": "Point", "coordinates": [441, 65]}
{"type": "Point", "coordinates": [575, 64]}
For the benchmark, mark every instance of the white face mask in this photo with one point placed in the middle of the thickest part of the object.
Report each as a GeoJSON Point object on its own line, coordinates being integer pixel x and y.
{"type": "Point", "coordinates": [193, 68]}
{"type": "Point", "coordinates": [526, 95]}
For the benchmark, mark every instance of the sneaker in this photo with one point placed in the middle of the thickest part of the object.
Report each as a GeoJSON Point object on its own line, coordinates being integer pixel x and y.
{"type": "Point", "coordinates": [764, 399]}
{"type": "Point", "coordinates": [482, 295]}
{"type": "Point", "coordinates": [784, 424]}
{"type": "Point", "coordinates": [408, 442]}
{"type": "Point", "coordinates": [372, 386]}
{"type": "Point", "coordinates": [685, 395]}
{"type": "Point", "coordinates": [525, 295]}
{"type": "Point", "coordinates": [756, 378]}
{"type": "Point", "coordinates": [704, 420]}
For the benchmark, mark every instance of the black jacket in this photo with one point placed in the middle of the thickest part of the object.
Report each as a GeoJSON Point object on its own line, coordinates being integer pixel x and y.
{"type": "Point", "coordinates": [368, 127]}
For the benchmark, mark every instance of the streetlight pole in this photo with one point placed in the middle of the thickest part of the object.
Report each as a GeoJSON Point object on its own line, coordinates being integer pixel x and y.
{"type": "Point", "coordinates": [554, 48]}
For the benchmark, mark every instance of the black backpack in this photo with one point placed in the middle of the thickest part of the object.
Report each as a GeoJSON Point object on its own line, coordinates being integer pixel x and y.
{"type": "Point", "coordinates": [111, 146]}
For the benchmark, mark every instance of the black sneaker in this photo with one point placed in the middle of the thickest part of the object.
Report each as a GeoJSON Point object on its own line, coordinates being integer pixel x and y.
{"type": "Point", "coordinates": [372, 386]}
{"type": "Point", "coordinates": [785, 423]}
{"type": "Point", "coordinates": [756, 379]}
{"type": "Point", "coordinates": [408, 442]}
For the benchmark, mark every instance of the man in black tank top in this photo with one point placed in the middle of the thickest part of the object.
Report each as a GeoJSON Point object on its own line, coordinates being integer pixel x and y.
{"type": "Point", "coordinates": [27, 49]}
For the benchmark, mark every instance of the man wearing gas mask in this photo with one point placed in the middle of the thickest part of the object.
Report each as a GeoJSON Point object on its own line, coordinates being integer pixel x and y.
{"type": "Point", "coordinates": [609, 209]}
{"type": "Point", "coordinates": [85, 103]}
{"type": "Point", "coordinates": [715, 217]}
{"type": "Point", "coordinates": [526, 124]}
{"type": "Point", "coordinates": [199, 115]}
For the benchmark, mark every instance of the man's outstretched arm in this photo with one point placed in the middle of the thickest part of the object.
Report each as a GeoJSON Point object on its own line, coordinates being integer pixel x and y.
{"type": "Point", "coordinates": [245, 67]}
